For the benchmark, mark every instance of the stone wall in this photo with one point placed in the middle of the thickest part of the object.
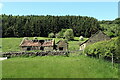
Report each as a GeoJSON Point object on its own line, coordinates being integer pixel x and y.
{"type": "Point", "coordinates": [48, 48]}
{"type": "Point", "coordinates": [27, 54]}
{"type": "Point", "coordinates": [62, 45]}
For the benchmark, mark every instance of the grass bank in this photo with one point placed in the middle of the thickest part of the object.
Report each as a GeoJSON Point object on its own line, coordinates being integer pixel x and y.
{"type": "Point", "coordinates": [58, 67]}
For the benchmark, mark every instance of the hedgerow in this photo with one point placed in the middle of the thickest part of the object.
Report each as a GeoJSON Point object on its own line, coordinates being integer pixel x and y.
{"type": "Point", "coordinates": [103, 49]}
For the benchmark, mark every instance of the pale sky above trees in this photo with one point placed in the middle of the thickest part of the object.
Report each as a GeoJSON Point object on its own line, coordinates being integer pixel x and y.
{"type": "Point", "coordinates": [99, 10]}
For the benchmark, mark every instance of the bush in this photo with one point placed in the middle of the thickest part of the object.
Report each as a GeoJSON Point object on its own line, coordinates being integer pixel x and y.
{"type": "Point", "coordinates": [110, 29]}
{"type": "Point", "coordinates": [51, 35]}
{"type": "Point", "coordinates": [104, 49]}
{"type": "Point", "coordinates": [69, 34]}
{"type": "Point", "coordinates": [58, 35]}
{"type": "Point", "coordinates": [61, 33]}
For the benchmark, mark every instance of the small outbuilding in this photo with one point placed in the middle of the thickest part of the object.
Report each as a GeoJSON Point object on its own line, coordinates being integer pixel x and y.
{"type": "Point", "coordinates": [98, 36]}
{"type": "Point", "coordinates": [62, 45]}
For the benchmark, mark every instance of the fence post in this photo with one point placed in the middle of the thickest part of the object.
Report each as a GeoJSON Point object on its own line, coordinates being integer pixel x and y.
{"type": "Point", "coordinates": [112, 60]}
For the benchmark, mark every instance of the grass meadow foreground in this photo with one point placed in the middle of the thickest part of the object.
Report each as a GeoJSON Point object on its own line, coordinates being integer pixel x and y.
{"type": "Point", "coordinates": [74, 66]}
{"type": "Point", "coordinates": [58, 67]}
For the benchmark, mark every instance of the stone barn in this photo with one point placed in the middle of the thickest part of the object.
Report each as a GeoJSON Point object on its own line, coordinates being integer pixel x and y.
{"type": "Point", "coordinates": [62, 45]}
{"type": "Point", "coordinates": [47, 45]}
{"type": "Point", "coordinates": [98, 36]}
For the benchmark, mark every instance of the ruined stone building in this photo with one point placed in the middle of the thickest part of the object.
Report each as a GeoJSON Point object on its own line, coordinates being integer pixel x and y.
{"type": "Point", "coordinates": [45, 45]}
{"type": "Point", "coordinates": [27, 45]}
{"type": "Point", "coordinates": [98, 36]}
{"type": "Point", "coordinates": [62, 45]}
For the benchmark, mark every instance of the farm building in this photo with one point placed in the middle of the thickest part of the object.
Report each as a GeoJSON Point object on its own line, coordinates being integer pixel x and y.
{"type": "Point", "coordinates": [46, 45]}
{"type": "Point", "coordinates": [62, 45]}
{"type": "Point", "coordinates": [98, 36]}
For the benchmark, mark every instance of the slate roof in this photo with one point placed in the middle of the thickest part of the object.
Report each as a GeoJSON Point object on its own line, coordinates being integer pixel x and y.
{"type": "Point", "coordinates": [48, 43]}
{"type": "Point", "coordinates": [98, 32]}
{"type": "Point", "coordinates": [83, 42]}
{"type": "Point", "coordinates": [62, 41]}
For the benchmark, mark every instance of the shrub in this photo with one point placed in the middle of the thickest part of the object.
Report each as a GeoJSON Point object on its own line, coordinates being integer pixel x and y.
{"type": "Point", "coordinates": [58, 35]}
{"type": "Point", "coordinates": [104, 49]}
{"type": "Point", "coordinates": [51, 35]}
{"type": "Point", "coordinates": [69, 34]}
{"type": "Point", "coordinates": [110, 29]}
{"type": "Point", "coordinates": [61, 33]}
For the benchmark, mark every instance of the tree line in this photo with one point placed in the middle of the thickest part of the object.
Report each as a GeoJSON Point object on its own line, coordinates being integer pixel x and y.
{"type": "Point", "coordinates": [41, 26]}
{"type": "Point", "coordinates": [116, 21]}
{"type": "Point", "coordinates": [110, 28]}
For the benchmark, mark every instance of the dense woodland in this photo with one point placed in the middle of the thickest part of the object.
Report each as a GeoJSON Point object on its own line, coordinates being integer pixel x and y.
{"type": "Point", "coordinates": [42, 26]}
{"type": "Point", "coordinates": [19, 26]}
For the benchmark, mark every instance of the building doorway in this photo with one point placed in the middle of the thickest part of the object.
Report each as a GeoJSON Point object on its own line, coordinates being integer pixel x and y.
{"type": "Point", "coordinates": [60, 48]}
{"type": "Point", "coordinates": [28, 48]}
{"type": "Point", "coordinates": [41, 48]}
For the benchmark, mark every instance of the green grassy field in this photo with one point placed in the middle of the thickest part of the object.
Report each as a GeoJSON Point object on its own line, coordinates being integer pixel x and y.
{"type": "Point", "coordinates": [74, 66]}
{"type": "Point", "coordinates": [58, 67]}
{"type": "Point", "coordinates": [0, 70]}
{"type": "Point", "coordinates": [0, 44]}
{"type": "Point", "coordinates": [12, 44]}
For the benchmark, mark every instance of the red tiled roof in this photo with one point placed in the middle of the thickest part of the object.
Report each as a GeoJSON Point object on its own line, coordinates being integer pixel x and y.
{"type": "Point", "coordinates": [31, 43]}
{"type": "Point", "coordinates": [48, 43]}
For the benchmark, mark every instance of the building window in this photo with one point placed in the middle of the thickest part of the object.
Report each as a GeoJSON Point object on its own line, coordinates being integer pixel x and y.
{"type": "Point", "coordinates": [28, 48]}
{"type": "Point", "coordinates": [60, 48]}
{"type": "Point", "coordinates": [41, 48]}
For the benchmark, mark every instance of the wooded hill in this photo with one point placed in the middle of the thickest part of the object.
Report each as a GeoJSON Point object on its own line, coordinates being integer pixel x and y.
{"type": "Point", "coordinates": [33, 25]}
{"type": "Point", "coordinates": [111, 28]}
{"type": "Point", "coordinates": [41, 26]}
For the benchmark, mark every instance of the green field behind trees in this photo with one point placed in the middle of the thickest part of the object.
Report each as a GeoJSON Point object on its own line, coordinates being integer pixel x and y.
{"type": "Point", "coordinates": [12, 44]}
